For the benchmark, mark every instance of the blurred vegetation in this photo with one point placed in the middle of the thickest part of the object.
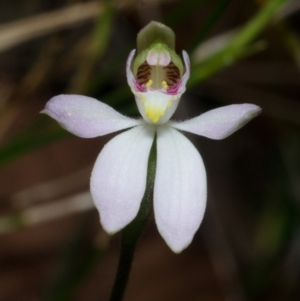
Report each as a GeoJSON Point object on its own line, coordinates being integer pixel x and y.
{"type": "Point", "coordinates": [81, 47]}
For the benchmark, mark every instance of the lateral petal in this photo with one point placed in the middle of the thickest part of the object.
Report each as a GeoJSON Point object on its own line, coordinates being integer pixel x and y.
{"type": "Point", "coordinates": [118, 179]}
{"type": "Point", "coordinates": [86, 117]}
{"type": "Point", "coordinates": [221, 122]}
{"type": "Point", "coordinates": [179, 190]}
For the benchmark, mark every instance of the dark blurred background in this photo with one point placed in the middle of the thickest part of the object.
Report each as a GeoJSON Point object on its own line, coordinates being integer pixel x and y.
{"type": "Point", "coordinates": [52, 246]}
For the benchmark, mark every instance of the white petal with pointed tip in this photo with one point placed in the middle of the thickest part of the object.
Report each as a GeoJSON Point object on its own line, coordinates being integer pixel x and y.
{"type": "Point", "coordinates": [187, 64]}
{"type": "Point", "coordinates": [130, 77]}
{"type": "Point", "coordinates": [221, 122]}
{"type": "Point", "coordinates": [86, 117]}
{"type": "Point", "coordinates": [179, 190]}
{"type": "Point", "coordinates": [118, 179]}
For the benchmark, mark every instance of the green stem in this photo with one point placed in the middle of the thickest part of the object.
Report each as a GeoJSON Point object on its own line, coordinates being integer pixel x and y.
{"type": "Point", "coordinates": [132, 232]}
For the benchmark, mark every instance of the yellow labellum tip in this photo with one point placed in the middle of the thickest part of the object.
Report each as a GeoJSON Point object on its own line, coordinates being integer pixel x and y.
{"type": "Point", "coordinates": [154, 113]}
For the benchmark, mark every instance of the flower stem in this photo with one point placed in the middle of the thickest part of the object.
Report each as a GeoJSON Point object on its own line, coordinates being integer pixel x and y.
{"type": "Point", "coordinates": [131, 233]}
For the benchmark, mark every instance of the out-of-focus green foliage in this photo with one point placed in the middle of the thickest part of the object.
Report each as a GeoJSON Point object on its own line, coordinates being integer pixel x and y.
{"type": "Point", "coordinates": [277, 219]}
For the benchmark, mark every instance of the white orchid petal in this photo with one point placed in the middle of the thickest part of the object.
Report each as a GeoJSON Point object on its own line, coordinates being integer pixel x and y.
{"type": "Point", "coordinates": [129, 74]}
{"type": "Point", "coordinates": [179, 190]}
{"type": "Point", "coordinates": [187, 64]}
{"type": "Point", "coordinates": [118, 179]}
{"type": "Point", "coordinates": [221, 122]}
{"type": "Point", "coordinates": [87, 117]}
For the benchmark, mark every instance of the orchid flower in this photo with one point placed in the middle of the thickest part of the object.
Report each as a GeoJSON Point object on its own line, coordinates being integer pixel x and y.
{"type": "Point", "coordinates": [157, 78]}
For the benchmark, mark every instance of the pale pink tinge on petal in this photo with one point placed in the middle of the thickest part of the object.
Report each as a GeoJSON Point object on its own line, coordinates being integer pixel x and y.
{"type": "Point", "coordinates": [129, 74]}
{"type": "Point", "coordinates": [187, 64]}
{"type": "Point", "coordinates": [133, 84]}
{"type": "Point", "coordinates": [180, 86]}
{"type": "Point", "coordinates": [87, 117]}
{"type": "Point", "coordinates": [221, 122]}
